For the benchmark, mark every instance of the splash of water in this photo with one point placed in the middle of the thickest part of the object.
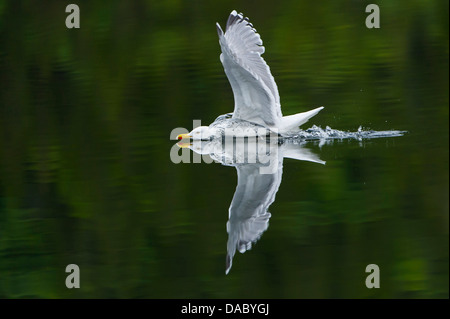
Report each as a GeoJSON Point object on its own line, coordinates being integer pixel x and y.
{"type": "Point", "coordinates": [318, 133]}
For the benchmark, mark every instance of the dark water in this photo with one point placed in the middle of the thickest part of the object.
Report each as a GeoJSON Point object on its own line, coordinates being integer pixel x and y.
{"type": "Point", "coordinates": [86, 177]}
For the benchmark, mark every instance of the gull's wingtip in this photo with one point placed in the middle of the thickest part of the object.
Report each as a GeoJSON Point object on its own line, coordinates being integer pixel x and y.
{"type": "Point", "coordinates": [219, 29]}
{"type": "Point", "coordinates": [233, 18]}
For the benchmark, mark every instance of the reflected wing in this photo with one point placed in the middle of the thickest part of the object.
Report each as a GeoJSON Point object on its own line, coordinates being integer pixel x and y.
{"type": "Point", "coordinates": [248, 215]}
{"type": "Point", "coordinates": [255, 92]}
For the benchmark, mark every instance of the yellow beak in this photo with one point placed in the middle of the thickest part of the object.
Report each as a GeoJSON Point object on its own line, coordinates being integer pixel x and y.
{"type": "Point", "coordinates": [182, 136]}
{"type": "Point", "coordinates": [183, 145]}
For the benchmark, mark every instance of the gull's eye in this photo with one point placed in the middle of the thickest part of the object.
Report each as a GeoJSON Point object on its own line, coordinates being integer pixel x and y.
{"type": "Point", "coordinates": [197, 132]}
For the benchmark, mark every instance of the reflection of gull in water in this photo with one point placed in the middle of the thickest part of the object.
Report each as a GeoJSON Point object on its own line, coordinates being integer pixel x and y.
{"type": "Point", "coordinates": [259, 165]}
{"type": "Point", "coordinates": [257, 114]}
{"type": "Point", "coordinates": [256, 98]}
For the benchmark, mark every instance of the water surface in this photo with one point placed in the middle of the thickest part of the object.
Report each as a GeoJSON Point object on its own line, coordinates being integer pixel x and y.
{"type": "Point", "coordinates": [86, 176]}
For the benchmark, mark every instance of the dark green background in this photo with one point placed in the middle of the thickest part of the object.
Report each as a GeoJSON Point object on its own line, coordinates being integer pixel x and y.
{"type": "Point", "coordinates": [86, 177]}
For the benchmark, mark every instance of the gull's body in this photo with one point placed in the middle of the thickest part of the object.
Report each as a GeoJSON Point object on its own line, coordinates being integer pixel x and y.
{"type": "Point", "coordinates": [256, 98]}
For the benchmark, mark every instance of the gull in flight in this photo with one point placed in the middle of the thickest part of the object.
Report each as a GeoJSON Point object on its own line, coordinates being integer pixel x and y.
{"type": "Point", "coordinates": [256, 98]}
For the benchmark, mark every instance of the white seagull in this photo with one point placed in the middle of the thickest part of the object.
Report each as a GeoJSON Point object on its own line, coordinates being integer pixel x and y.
{"type": "Point", "coordinates": [256, 98]}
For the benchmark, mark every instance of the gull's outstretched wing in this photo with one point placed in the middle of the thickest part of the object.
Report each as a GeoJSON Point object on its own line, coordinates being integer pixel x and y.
{"type": "Point", "coordinates": [256, 97]}
{"type": "Point", "coordinates": [248, 215]}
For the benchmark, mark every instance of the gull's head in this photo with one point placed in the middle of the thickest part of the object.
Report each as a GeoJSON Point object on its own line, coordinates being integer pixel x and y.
{"type": "Point", "coordinates": [199, 133]}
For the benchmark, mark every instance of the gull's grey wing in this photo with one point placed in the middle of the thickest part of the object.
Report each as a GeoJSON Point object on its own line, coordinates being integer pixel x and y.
{"type": "Point", "coordinates": [256, 97]}
{"type": "Point", "coordinates": [248, 215]}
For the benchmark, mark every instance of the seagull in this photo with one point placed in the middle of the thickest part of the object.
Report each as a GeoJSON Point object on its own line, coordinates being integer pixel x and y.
{"type": "Point", "coordinates": [256, 98]}
{"type": "Point", "coordinates": [259, 170]}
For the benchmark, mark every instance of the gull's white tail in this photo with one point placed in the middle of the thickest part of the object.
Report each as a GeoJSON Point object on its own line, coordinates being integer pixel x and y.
{"type": "Point", "coordinates": [292, 122]}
